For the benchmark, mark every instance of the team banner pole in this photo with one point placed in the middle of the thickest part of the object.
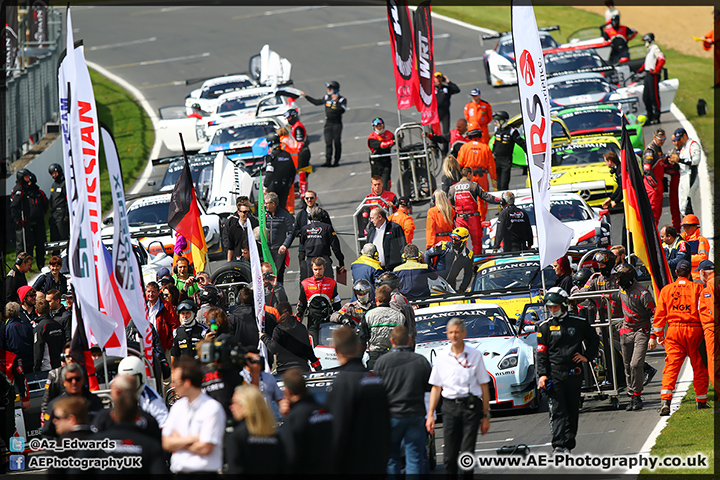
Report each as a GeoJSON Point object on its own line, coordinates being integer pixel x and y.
{"type": "Point", "coordinates": [426, 102]}
{"type": "Point", "coordinates": [258, 289]}
{"type": "Point", "coordinates": [401, 42]}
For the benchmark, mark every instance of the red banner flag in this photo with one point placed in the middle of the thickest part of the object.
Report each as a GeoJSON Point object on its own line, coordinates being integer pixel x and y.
{"type": "Point", "coordinates": [422, 30]}
{"type": "Point", "coordinates": [401, 41]}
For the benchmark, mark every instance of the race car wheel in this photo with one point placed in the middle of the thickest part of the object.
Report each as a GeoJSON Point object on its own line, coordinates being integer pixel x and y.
{"type": "Point", "coordinates": [487, 74]}
{"type": "Point", "coordinates": [230, 278]}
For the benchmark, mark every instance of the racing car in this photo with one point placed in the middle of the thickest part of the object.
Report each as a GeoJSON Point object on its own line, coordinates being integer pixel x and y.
{"type": "Point", "coordinates": [591, 227]}
{"type": "Point", "coordinates": [210, 91]}
{"type": "Point", "coordinates": [519, 158]}
{"type": "Point", "coordinates": [500, 61]}
{"type": "Point", "coordinates": [508, 354]}
{"type": "Point", "coordinates": [599, 120]}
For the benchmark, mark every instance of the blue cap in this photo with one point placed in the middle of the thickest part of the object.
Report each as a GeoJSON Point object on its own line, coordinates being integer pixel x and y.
{"type": "Point", "coordinates": [706, 265]}
{"type": "Point", "coordinates": [474, 92]}
{"type": "Point", "coordinates": [678, 133]}
{"type": "Point", "coordinates": [682, 264]}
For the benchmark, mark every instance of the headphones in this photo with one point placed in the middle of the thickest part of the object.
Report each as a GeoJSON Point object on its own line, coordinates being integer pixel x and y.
{"type": "Point", "coordinates": [22, 258]}
{"type": "Point", "coordinates": [190, 265]}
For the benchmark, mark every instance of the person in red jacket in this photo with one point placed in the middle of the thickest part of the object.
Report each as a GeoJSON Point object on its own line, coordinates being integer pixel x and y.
{"type": "Point", "coordinates": [614, 30]}
{"type": "Point", "coordinates": [653, 65]}
{"type": "Point", "coordinates": [299, 133]}
{"type": "Point", "coordinates": [319, 297]}
{"type": "Point", "coordinates": [380, 141]}
{"type": "Point", "coordinates": [162, 315]}
{"type": "Point", "coordinates": [389, 200]}
{"type": "Point", "coordinates": [465, 196]}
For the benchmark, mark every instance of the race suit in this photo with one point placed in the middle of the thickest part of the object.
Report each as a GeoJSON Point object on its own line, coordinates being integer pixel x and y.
{"type": "Point", "coordinates": [319, 297]}
{"type": "Point", "coordinates": [706, 308]}
{"type": "Point", "coordinates": [334, 110]}
{"type": "Point", "coordinates": [380, 145]}
{"type": "Point", "coordinates": [406, 222]}
{"type": "Point", "coordinates": [450, 262]}
{"type": "Point", "coordinates": [478, 116]}
{"type": "Point", "coordinates": [465, 196]}
{"type": "Point", "coordinates": [699, 247]}
{"type": "Point", "coordinates": [689, 161]}
{"type": "Point", "coordinates": [437, 228]}
{"type": "Point", "coordinates": [638, 307]}
{"type": "Point", "coordinates": [505, 139]}
{"type": "Point", "coordinates": [280, 174]}
{"type": "Point", "coordinates": [376, 329]}
{"type": "Point", "coordinates": [478, 156]}
{"type": "Point", "coordinates": [653, 65]}
{"type": "Point", "coordinates": [299, 133]}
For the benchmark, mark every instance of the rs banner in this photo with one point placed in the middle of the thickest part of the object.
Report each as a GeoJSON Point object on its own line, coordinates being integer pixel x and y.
{"type": "Point", "coordinates": [401, 41]}
{"type": "Point", "coordinates": [125, 275]}
{"type": "Point", "coordinates": [258, 286]}
{"type": "Point", "coordinates": [423, 33]}
{"type": "Point", "coordinates": [553, 237]}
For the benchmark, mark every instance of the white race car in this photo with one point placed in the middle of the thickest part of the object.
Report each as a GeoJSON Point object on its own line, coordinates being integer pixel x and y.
{"type": "Point", "coordinates": [582, 88]}
{"type": "Point", "coordinates": [500, 61]}
{"type": "Point", "coordinates": [210, 91]}
{"type": "Point", "coordinates": [509, 355]}
{"type": "Point", "coordinates": [148, 217]}
{"type": "Point", "coordinates": [591, 226]}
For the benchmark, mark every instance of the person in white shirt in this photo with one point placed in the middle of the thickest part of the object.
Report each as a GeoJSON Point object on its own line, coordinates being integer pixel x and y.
{"type": "Point", "coordinates": [388, 237]}
{"type": "Point", "coordinates": [689, 160]}
{"type": "Point", "coordinates": [195, 427]}
{"type": "Point", "coordinates": [610, 11]}
{"type": "Point", "coordinates": [459, 375]}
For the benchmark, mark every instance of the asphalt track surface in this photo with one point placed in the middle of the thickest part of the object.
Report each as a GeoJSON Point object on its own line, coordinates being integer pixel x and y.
{"type": "Point", "coordinates": [157, 48]}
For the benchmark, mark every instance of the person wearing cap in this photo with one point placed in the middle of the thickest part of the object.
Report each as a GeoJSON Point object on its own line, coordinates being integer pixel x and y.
{"type": "Point", "coordinates": [477, 155]}
{"type": "Point", "coordinates": [402, 217]}
{"type": "Point", "coordinates": [15, 278]}
{"type": "Point", "coordinates": [366, 267]}
{"type": "Point", "coordinates": [335, 107]}
{"type": "Point", "coordinates": [189, 333]}
{"type": "Point", "coordinates": [512, 229]}
{"type": "Point", "coordinates": [279, 169]}
{"type": "Point", "coordinates": [451, 257]}
{"type": "Point", "coordinates": [706, 308]}
{"type": "Point", "coordinates": [676, 248]}
{"type": "Point", "coordinates": [234, 233]}
{"type": "Point", "coordinates": [677, 308]}
{"type": "Point", "coordinates": [653, 170]}
{"type": "Point", "coordinates": [380, 142]}
{"type": "Point", "coordinates": [506, 137]}
{"type": "Point", "coordinates": [28, 299]}
{"type": "Point", "coordinates": [478, 114]}
{"type": "Point", "coordinates": [444, 89]}
{"type": "Point", "coordinates": [699, 245]}
{"type": "Point", "coordinates": [653, 65]}
{"type": "Point", "coordinates": [689, 154]}
{"type": "Point", "coordinates": [468, 199]}
{"type": "Point", "coordinates": [28, 205]}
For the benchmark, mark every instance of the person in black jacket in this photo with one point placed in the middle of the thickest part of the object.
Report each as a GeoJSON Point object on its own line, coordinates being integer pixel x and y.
{"type": "Point", "coordinates": [307, 425]}
{"type": "Point", "coordinates": [335, 106]}
{"type": "Point", "coordinates": [506, 137]}
{"type": "Point", "coordinates": [360, 410]}
{"type": "Point", "coordinates": [279, 169]}
{"type": "Point", "coordinates": [243, 325]}
{"type": "Point", "coordinates": [11, 375]}
{"type": "Point", "coordinates": [564, 273]}
{"type": "Point", "coordinates": [235, 236]}
{"type": "Point", "coordinates": [28, 205]}
{"type": "Point", "coordinates": [317, 238]}
{"type": "Point", "coordinates": [19, 336]}
{"type": "Point", "coordinates": [290, 342]}
{"type": "Point", "coordinates": [444, 89]}
{"type": "Point", "coordinates": [513, 228]}
{"type": "Point", "coordinates": [302, 218]}
{"type": "Point", "coordinates": [73, 378]}
{"type": "Point", "coordinates": [144, 422]}
{"type": "Point", "coordinates": [392, 242]}
{"type": "Point", "coordinates": [614, 201]}
{"type": "Point", "coordinates": [72, 423]}
{"type": "Point", "coordinates": [49, 339]}
{"type": "Point", "coordinates": [52, 280]}
{"type": "Point", "coordinates": [189, 333]}
{"type": "Point", "coordinates": [16, 276]}
{"type": "Point", "coordinates": [280, 226]}
{"type": "Point", "coordinates": [59, 220]}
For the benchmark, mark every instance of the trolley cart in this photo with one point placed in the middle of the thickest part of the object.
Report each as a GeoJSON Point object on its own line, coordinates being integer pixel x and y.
{"type": "Point", "coordinates": [362, 216]}
{"type": "Point", "coordinates": [418, 160]}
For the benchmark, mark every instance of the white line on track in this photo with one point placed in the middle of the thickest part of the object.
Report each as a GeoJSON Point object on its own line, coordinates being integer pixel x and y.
{"type": "Point", "coordinates": [162, 60]}
{"type": "Point", "coordinates": [277, 12]}
{"type": "Point", "coordinates": [342, 24]}
{"type": "Point", "coordinates": [161, 10]}
{"type": "Point", "coordinates": [123, 44]}
{"type": "Point", "coordinates": [458, 60]}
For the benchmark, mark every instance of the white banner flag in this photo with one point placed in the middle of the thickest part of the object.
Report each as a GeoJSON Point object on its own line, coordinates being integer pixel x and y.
{"type": "Point", "coordinates": [258, 289]}
{"type": "Point", "coordinates": [553, 237]}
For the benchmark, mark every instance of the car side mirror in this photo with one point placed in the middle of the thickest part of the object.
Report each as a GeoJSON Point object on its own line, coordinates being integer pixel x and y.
{"type": "Point", "coordinates": [602, 213]}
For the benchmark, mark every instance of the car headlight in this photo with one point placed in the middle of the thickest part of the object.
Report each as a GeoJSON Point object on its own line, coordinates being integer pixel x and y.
{"type": "Point", "coordinates": [505, 68]}
{"type": "Point", "coordinates": [510, 360]}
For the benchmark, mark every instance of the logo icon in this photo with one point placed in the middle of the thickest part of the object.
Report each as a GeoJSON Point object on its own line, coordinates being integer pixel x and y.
{"type": "Point", "coordinates": [17, 462]}
{"type": "Point", "coordinates": [527, 68]}
{"type": "Point", "coordinates": [17, 444]}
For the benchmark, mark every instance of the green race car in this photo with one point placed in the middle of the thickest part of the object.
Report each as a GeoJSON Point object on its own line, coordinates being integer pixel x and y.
{"type": "Point", "coordinates": [602, 119]}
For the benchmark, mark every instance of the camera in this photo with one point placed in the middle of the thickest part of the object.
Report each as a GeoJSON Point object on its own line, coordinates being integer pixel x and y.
{"type": "Point", "coordinates": [224, 352]}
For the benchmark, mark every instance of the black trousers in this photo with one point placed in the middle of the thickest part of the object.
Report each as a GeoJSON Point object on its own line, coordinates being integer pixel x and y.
{"type": "Point", "coordinates": [503, 167]}
{"type": "Point", "coordinates": [59, 228]}
{"type": "Point", "coordinates": [444, 118]}
{"type": "Point", "coordinates": [282, 189]}
{"type": "Point", "coordinates": [279, 261]}
{"type": "Point", "coordinates": [460, 429]}
{"type": "Point", "coordinates": [651, 96]}
{"type": "Point", "coordinates": [382, 167]}
{"type": "Point", "coordinates": [333, 132]}
{"type": "Point", "coordinates": [564, 409]}
{"type": "Point", "coordinates": [32, 237]}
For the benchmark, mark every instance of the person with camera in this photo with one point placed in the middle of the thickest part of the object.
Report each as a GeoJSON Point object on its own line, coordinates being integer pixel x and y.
{"type": "Point", "coordinates": [274, 290]}
{"type": "Point", "coordinates": [189, 333]}
{"type": "Point", "coordinates": [253, 373]}
{"type": "Point", "coordinates": [290, 344]}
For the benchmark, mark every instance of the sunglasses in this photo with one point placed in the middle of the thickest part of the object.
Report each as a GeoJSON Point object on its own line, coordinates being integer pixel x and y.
{"type": "Point", "coordinates": [256, 361]}
{"type": "Point", "coordinates": [73, 379]}
{"type": "Point", "coordinates": [245, 211]}
{"type": "Point", "coordinates": [309, 198]}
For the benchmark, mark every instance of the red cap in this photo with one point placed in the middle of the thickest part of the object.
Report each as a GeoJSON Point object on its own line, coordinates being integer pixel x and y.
{"type": "Point", "coordinates": [22, 292]}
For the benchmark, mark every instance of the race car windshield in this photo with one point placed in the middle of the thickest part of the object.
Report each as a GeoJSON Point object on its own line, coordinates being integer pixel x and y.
{"type": "Point", "coordinates": [196, 170]}
{"type": "Point", "coordinates": [563, 62]}
{"type": "Point", "coordinates": [582, 154]}
{"type": "Point", "coordinates": [149, 214]}
{"type": "Point", "coordinates": [215, 91]}
{"type": "Point", "coordinates": [574, 88]}
{"type": "Point", "coordinates": [238, 134]}
{"type": "Point", "coordinates": [240, 103]}
{"type": "Point", "coordinates": [546, 41]}
{"type": "Point", "coordinates": [478, 323]}
{"type": "Point", "coordinates": [591, 120]}
{"type": "Point", "coordinates": [516, 275]}
{"type": "Point", "coordinates": [563, 210]}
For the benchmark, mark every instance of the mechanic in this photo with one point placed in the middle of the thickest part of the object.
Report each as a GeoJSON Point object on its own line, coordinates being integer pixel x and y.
{"type": "Point", "coordinates": [478, 156]}
{"type": "Point", "coordinates": [299, 133]}
{"type": "Point", "coordinates": [195, 426]}
{"type": "Point", "coordinates": [512, 229]}
{"type": "Point", "coordinates": [688, 160]}
{"type": "Point", "coordinates": [59, 220]}
{"type": "Point", "coordinates": [318, 297]}
{"type": "Point", "coordinates": [280, 226]}
{"type": "Point", "coordinates": [444, 89]}
{"type": "Point", "coordinates": [274, 290]}
{"type": "Point", "coordinates": [561, 339]}
{"type": "Point", "coordinates": [440, 220]}
{"type": "Point", "coordinates": [564, 272]}
{"type": "Point", "coordinates": [405, 375]}
{"type": "Point", "coordinates": [28, 205]}
{"type": "Point", "coordinates": [317, 238]}
{"type": "Point", "coordinates": [676, 248]}
{"type": "Point", "coordinates": [388, 238]}
{"type": "Point", "coordinates": [706, 308]}
{"type": "Point", "coordinates": [359, 405]}
{"type": "Point", "coordinates": [353, 313]}
{"type": "Point", "coordinates": [305, 427]}
{"type": "Point", "coordinates": [414, 274]}
{"type": "Point", "coordinates": [388, 199]}
{"type": "Point", "coordinates": [183, 279]}
{"type": "Point", "coordinates": [303, 218]}
{"type": "Point", "coordinates": [49, 339]}
{"type": "Point", "coordinates": [465, 196]}
{"type": "Point", "coordinates": [366, 267]}
{"type": "Point", "coordinates": [52, 280]}
{"type": "Point", "coordinates": [290, 343]}
{"type": "Point", "coordinates": [638, 307]}
{"type": "Point", "coordinates": [451, 171]}
{"type": "Point", "coordinates": [28, 299]}
{"type": "Point", "coordinates": [402, 217]}
{"type": "Point", "coordinates": [234, 234]}
{"type": "Point", "coordinates": [459, 375]}
{"type": "Point", "coordinates": [144, 421]}
{"type": "Point", "coordinates": [506, 137]}
{"type": "Point", "coordinates": [380, 142]}
{"type": "Point", "coordinates": [677, 308]}
{"type": "Point", "coordinates": [60, 313]}
{"type": "Point", "coordinates": [478, 114]}
{"type": "Point", "coordinates": [654, 169]}
{"type": "Point", "coordinates": [189, 333]}
{"type": "Point", "coordinates": [15, 278]}
{"type": "Point", "coordinates": [73, 378]}
{"type": "Point", "coordinates": [279, 169]}
{"type": "Point", "coordinates": [614, 30]}
{"type": "Point", "coordinates": [335, 107]}
{"type": "Point", "coordinates": [398, 300]}
{"type": "Point", "coordinates": [451, 257]}
{"type": "Point", "coordinates": [699, 245]}
{"type": "Point", "coordinates": [11, 376]}
{"type": "Point", "coordinates": [653, 65]}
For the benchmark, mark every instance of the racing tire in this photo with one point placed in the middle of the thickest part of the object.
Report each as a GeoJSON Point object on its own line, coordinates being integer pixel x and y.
{"type": "Point", "coordinates": [426, 187]}
{"type": "Point", "coordinates": [487, 74]}
{"type": "Point", "coordinates": [230, 278]}
{"type": "Point", "coordinates": [431, 451]}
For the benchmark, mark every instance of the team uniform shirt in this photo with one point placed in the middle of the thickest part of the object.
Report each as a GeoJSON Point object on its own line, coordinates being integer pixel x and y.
{"type": "Point", "coordinates": [390, 199]}
{"type": "Point", "coordinates": [505, 139]}
{"type": "Point", "coordinates": [311, 287]}
{"type": "Point", "coordinates": [317, 238]}
{"type": "Point", "coordinates": [513, 229]}
{"type": "Point", "coordinates": [699, 247]}
{"type": "Point", "coordinates": [559, 339]}
{"type": "Point", "coordinates": [406, 222]}
{"type": "Point", "coordinates": [437, 228]}
{"type": "Point", "coordinates": [638, 307]}
{"type": "Point", "coordinates": [464, 197]}
{"type": "Point", "coordinates": [478, 116]}
{"type": "Point", "coordinates": [459, 375]}
{"type": "Point", "coordinates": [479, 157]}
{"type": "Point", "coordinates": [380, 144]}
{"type": "Point", "coordinates": [334, 109]}
{"type": "Point", "coordinates": [205, 418]}
{"type": "Point", "coordinates": [654, 60]}
{"type": "Point", "coordinates": [151, 402]}
{"type": "Point", "coordinates": [610, 32]}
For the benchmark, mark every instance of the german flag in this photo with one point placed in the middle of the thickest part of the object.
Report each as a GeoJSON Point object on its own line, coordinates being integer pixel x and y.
{"type": "Point", "coordinates": [639, 217]}
{"type": "Point", "coordinates": [184, 217]}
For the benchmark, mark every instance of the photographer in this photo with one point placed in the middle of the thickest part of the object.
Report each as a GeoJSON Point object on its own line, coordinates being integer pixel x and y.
{"type": "Point", "coordinates": [184, 281]}
{"type": "Point", "coordinates": [274, 291]}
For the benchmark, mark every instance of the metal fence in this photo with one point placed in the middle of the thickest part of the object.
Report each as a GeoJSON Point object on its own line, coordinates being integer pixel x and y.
{"type": "Point", "coordinates": [30, 98]}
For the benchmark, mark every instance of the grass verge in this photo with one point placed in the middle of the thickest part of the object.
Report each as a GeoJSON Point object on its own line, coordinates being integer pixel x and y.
{"type": "Point", "coordinates": [688, 432]}
{"type": "Point", "coordinates": [695, 74]}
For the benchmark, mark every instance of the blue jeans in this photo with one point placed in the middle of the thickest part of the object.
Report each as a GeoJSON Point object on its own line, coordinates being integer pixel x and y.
{"type": "Point", "coordinates": [410, 431]}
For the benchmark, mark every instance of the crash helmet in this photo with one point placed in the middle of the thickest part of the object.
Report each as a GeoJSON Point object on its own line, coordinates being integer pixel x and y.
{"type": "Point", "coordinates": [55, 168]}
{"type": "Point", "coordinates": [556, 296]}
{"type": "Point", "coordinates": [501, 115]}
{"type": "Point", "coordinates": [377, 121]}
{"type": "Point", "coordinates": [291, 115]}
{"type": "Point", "coordinates": [333, 84]}
{"type": "Point", "coordinates": [461, 234]}
{"type": "Point", "coordinates": [133, 365]}
{"type": "Point", "coordinates": [196, 106]}
{"type": "Point", "coordinates": [273, 140]}
{"type": "Point", "coordinates": [615, 20]}
{"type": "Point", "coordinates": [362, 290]}
{"type": "Point", "coordinates": [690, 220]}
{"type": "Point", "coordinates": [187, 305]}
{"type": "Point", "coordinates": [648, 37]}
{"type": "Point", "coordinates": [389, 279]}
{"type": "Point", "coordinates": [20, 175]}
{"type": "Point", "coordinates": [209, 294]}
{"type": "Point", "coordinates": [607, 258]}
{"type": "Point", "coordinates": [624, 274]}
{"type": "Point", "coordinates": [581, 277]}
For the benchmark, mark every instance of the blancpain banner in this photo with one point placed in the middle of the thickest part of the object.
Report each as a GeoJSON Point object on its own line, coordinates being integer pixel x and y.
{"type": "Point", "coordinates": [553, 237]}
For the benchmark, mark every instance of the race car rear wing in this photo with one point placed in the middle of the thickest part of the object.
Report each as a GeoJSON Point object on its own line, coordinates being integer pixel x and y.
{"type": "Point", "coordinates": [619, 102]}
{"type": "Point", "coordinates": [604, 68]}
{"type": "Point", "coordinates": [491, 36]}
{"type": "Point", "coordinates": [174, 158]}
